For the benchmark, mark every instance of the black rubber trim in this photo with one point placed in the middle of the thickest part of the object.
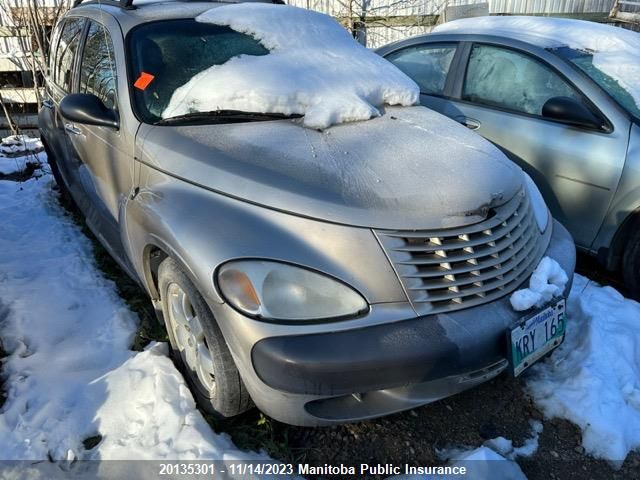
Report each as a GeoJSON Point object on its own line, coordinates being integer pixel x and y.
{"type": "Point", "coordinates": [365, 359]}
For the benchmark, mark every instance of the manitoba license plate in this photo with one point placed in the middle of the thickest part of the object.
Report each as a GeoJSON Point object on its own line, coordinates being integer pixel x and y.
{"type": "Point", "coordinates": [535, 336]}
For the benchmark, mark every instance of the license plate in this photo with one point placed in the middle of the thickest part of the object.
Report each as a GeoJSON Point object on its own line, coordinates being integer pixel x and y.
{"type": "Point", "coordinates": [535, 336]}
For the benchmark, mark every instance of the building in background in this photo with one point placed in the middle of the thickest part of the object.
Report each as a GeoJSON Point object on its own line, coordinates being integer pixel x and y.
{"type": "Point", "coordinates": [378, 22]}
{"type": "Point", "coordinates": [25, 27]}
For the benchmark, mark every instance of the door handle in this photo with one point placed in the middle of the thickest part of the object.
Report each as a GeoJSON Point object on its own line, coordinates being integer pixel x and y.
{"type": "Point", "coordinates": [470, 123]}
{"type": "Point", "coordinates": [48, 104]}
{"type": "Point", "coordinates": [70, 128]}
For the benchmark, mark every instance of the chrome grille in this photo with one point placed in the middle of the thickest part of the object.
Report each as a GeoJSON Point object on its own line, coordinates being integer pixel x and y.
{"type": "Point", "coordinates": [454, 268]}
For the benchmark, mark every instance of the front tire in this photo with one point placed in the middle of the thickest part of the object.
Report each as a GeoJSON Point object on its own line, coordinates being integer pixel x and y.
{"type": "Point", "coordinates": [631, 262]}
{"type": "Point", "coordinates": [198, 347]}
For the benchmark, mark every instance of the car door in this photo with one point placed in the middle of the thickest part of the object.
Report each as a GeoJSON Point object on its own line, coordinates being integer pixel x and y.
{"type": "Point", "coordinates": [60, 83]}
{"type": "Point", "coordinates": [105, 154]}
{"type": "Point", "coordinates": [577, 169]}
{"type": "Point", "coordinates": [429, 64]}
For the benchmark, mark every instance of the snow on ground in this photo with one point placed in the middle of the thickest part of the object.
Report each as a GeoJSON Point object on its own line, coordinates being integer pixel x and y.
{"type": "Point", "coordinates": [616, 51]}
{"type": "Point", "coordinates": [485, 464]}
{"type": "Point", "coordinates": [314, 68]}
{"type": "Point", "coordinates": [69, 373]}
{"type": "Point", "coordinates": [593, 379]}
{"type": "Point", "coordinates": [548, 280]}
{"type": "Point", "coordinates": [15, 145]}
{"type": "Point", "coordinates": [505, 447]}
{"type": "Point", "coordinates": [481, 463]}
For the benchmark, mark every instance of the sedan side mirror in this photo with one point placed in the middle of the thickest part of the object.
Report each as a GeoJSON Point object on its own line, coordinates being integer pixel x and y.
{"type": "Point", "coordinates": [88, 109]}
{"type": "Point", "coordinates": [570, 111]}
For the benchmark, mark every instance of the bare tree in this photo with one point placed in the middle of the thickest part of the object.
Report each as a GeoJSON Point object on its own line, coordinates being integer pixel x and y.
{"type": "Point", "coordinates": [364, 17]}
{"type": "Point", "coordinates": [32, 20]}
{"type": "Point", "coordinates": [7, 114]}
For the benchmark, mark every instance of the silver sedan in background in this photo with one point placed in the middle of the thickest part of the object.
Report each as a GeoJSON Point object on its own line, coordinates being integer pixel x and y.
{"type": "Point", "coordinates": [537, 89]}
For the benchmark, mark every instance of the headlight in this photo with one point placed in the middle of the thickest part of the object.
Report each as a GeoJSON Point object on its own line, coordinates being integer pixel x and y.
{"type": "Point", "coordinates": [279, 291]}
{"type": "Point", "coordinates": [540, 210]}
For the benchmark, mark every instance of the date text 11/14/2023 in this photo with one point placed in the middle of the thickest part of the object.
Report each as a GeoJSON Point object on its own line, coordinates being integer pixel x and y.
{"type": "Point", "coordinates": [536, 336]}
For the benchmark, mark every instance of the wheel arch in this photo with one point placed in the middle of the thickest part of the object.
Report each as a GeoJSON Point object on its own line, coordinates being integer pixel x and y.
{"type": "Point", "coordinates": [613, 260]}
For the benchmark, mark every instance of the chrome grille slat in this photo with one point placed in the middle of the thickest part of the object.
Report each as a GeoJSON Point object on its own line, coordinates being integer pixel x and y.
{"type": "Point", "coordinates": [482, 264]}
{"type": "Point", "coordinates": [486, 251]}
{"type": "Point", "coordinates": [460, 244]}
{"type": "Point", "coordinates": [473, 291]}
{"type": "Point", "coordinates": [450, 269]}
{"type": "Point", "coordinates": [507, 266]}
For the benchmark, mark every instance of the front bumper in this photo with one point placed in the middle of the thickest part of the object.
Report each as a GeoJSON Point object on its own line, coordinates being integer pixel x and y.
{"type": "Point", "coordinates": [311, 379]}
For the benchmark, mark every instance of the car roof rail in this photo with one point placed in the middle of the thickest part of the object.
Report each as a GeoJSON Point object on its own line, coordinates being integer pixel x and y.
{"type": "Point", "coordinates": [128, 4]}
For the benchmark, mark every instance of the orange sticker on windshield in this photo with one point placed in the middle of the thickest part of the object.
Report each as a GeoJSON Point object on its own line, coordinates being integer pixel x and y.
{"type": "Point", "coordinates": [143, 80]}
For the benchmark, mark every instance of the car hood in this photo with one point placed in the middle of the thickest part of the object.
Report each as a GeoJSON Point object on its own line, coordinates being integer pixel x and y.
{"type": "Point", "coordinates": [411, 168]}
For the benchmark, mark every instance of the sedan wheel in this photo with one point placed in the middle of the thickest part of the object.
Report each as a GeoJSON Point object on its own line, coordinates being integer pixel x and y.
{"type": "Point", "coordinates": [197, 345]}
{"type": "Point", "coordinates": [189, 338]}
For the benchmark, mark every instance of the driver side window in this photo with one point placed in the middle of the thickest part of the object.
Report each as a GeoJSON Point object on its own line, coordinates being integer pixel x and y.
{"type": "Point", "coordinates": [512, 80]}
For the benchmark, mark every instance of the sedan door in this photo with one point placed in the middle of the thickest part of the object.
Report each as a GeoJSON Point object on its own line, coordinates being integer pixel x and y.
{"type": "Point", "coordinates": [59, 84]}
{"type": "Point", "coordinates": [577, 169]}
{"type": "Point", "coordinates": [104, 153]}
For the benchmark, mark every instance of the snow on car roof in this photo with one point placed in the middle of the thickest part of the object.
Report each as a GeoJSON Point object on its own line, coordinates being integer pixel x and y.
{"type": "Point", "coordinates": [616, 51]}
{"type": "Point", "coordinates": [315, 68]}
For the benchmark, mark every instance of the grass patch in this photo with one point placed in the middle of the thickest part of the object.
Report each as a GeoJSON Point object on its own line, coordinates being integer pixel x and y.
{"type": "Point", "coordinates": [255, 432]}
{"type": "Point", "coordinates": [91, 442]}
{"type": "Point", "coordinates": [22, 175]}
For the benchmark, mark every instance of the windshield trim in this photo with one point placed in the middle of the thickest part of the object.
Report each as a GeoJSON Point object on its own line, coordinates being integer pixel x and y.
{"type": "Point", "coordinates": [555, 51]}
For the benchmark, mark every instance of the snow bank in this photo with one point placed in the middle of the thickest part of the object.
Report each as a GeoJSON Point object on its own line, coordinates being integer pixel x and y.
{"type": "Point", "coordinates": [616, 51]}
{"type": "Point", "coordinates": [315, 69]}
{"type": "Point", "coordinates": [15, 145]}
{"type": "Point", "coordinates": [69, 373]}
{"type": "Point", "coordinates": [20, 144]}
{"type": "Point", "coordinates": [481, 464]}
{"type": "Point", "coordinates": [494, 459]}
{"type": "Point", "coordinates": [547, 281]}
{"type": "Point", "coordinates": [593, 378]}
{"type": "Point", "coordinates": [505, 446]}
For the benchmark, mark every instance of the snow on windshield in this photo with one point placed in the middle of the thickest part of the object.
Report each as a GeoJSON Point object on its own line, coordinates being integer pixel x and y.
{"type": "Point", "coordinates": [616, 51]}
{"type": "Point", "coordinates": [314, 69]}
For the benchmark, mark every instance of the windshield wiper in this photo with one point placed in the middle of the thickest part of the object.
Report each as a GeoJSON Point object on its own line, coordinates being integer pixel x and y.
{"type": "Point", "coordinates": [225, 115]}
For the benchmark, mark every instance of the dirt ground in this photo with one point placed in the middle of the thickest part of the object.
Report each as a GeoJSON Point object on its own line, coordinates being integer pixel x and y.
{"type": "Point", "coordinates": [498, 408]}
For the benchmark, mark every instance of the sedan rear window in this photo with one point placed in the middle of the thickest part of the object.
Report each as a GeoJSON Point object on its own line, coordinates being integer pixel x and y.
{"type": "Point", "coordinates": [167, 54]}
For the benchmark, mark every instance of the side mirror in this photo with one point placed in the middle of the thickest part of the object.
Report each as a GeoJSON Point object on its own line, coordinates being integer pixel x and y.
{"type": "Point", "coordinates": [88, 109]}
{"type": "Point", "coordinates": [570, 111]}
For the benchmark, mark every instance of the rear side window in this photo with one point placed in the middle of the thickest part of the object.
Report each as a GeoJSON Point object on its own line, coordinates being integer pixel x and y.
{"type": "Point", "coordinates": [511, 80]}
{"type": "Point", "coordinates": [66, 52]}
{"type": "Point", "coordinates": [98, 68]}
{"type": "Point", "coordinates": [53, 61]}
{"type": "Point", "coordinates": [427, 65]}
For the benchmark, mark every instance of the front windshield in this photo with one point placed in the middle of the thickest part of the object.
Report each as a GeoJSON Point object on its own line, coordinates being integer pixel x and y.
{"type": "Point", "coordinates": [167, 54]}
{"type": "Point", "coordinates": [584, 61]}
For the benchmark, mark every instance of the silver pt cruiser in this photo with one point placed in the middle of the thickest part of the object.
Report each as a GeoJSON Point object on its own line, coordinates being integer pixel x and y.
{"type": "Point", "coordinates": [323, 275]}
